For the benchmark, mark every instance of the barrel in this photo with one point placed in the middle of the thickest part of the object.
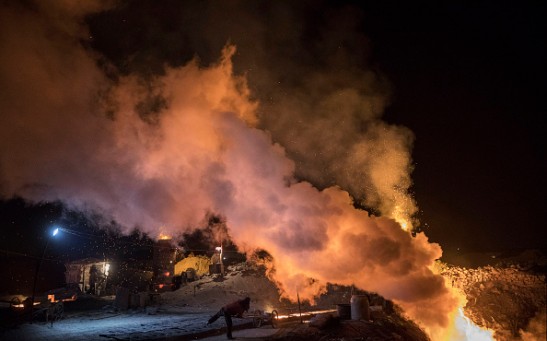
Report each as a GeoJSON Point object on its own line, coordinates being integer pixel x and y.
{"type": "Point", "coordinates": [359, 307]}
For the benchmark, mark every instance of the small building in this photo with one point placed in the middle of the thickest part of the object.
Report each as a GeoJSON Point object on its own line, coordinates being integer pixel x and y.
{"type": "Point", "coordinates": [89, 274]}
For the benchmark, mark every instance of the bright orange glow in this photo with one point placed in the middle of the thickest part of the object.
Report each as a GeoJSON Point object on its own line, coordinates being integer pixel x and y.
{"type": "Point", "coordinates": [471, 330]}
{"type": "Point", "coordinates": [163, 236]}
{"type": "Point", "coordinates": [70, 299]}
{"type": "Point", "coordinates": [461, 328]}
{"type": "Point", "coordinates": [401, 217]}
{"type": "Point", "coordinates": [22, 305]}
{"type": "Point", "coordinates": [307, 313]}
{"type": "Point", "coordinates": [50, 298]}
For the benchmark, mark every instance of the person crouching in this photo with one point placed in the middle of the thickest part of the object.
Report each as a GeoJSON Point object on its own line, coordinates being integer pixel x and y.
{"type": "Point", "coordinates": [236, 308]}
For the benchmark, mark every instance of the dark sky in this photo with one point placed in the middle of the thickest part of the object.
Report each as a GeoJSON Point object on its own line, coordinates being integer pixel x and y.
{"type": "Point", "coordinates": [468, 81]}
{"type": "Point", "coordinates": [465, 79]}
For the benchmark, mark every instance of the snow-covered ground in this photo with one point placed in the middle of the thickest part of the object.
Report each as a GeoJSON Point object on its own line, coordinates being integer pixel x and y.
{"type": "Point", "coordinates": [166, 324]}
{"type": "Point", "coordinates": [181, 315]}
{"type": "Point", "coordinates": [127, 326]}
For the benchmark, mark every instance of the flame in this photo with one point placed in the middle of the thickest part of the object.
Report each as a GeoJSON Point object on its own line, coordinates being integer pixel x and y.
{"type": "Point", "coordinates": [163, 236]}
{"type": "Point", "coordinates": [306, 313]}
{"type": "Point", "coordinates": [269, 308]}
{"type": "Point", "coordinates": [461, 327]}
{"type": "Point", "coordinates": [401, 217]}
{"type": "Point", "coordinates": [470, 330]}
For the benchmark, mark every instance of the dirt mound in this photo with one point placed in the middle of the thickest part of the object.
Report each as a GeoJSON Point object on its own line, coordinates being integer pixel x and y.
{"type": "Point", "coordinates": [504, 299]}
{"type": "Point", "coordinates": [211, 292]}
{"type": "Point", "coordinates": [388, 328]}
{"type": "Point", "coordinates": [215, 291]}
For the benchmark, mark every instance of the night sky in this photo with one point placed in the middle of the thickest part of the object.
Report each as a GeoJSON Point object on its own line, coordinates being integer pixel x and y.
{"type": "Point", "coordinates": [466, 80]}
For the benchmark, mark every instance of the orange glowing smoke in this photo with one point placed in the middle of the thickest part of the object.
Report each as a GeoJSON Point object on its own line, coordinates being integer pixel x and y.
{"type": "Point", "coordinates": [203, 153]}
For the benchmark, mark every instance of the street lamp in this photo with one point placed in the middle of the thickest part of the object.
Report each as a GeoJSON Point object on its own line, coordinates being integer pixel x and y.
{"type": "Point", "coordinates": [219, 249]}
{"type": "Point", "coordinates": [53, 234]}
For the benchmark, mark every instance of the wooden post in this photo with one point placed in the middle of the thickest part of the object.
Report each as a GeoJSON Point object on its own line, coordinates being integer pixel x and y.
{"type": "Point", "coordinates": [299, 310]}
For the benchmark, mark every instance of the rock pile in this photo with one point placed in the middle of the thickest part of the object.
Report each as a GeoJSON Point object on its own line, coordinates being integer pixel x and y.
{"type": "Point", "coordinates": [504, 299]}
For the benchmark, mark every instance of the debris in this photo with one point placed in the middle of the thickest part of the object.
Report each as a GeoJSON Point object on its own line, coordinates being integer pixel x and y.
{"type": "Point", "coordinates": [323, 321]}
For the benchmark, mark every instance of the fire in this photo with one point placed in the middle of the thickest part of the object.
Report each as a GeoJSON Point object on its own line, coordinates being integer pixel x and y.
{"type": "Point", "coordinates": [461, 328]}
{"type": "Point", "coordinates": [470, 330]}
{"type": "Point", "coordinates": [400, 216]}
{"type": "Point", "coordinates": [163, 236]}
{"type": "Point", "coordinates": [306, 313]}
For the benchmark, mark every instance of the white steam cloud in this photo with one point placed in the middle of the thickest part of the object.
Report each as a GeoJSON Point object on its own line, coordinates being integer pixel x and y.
{"type": "Point", "coordinates": [69, 133]}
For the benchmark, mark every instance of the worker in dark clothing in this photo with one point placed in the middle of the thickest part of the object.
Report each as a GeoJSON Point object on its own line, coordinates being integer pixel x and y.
{"type": "Point", "coordinates": [236, 308]}
{"type": "Point", "coordinates": [93, 276]}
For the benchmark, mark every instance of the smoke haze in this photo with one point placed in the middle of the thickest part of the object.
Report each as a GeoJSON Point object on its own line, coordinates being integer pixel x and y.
{"type": "Point", "coordinates": [280, 151]}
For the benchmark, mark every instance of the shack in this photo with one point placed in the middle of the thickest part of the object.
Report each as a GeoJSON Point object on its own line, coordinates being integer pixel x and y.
{"type": "Point", "coordinates": [89, 274]}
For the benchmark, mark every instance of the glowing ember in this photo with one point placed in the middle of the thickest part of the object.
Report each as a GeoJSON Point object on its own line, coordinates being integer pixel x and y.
{"type": "Point", "coordinates": [401, 217]}
{"type": "Point", "coordinates": [22, 305]}
{"type": "Point", "coordinates": [50, 299]}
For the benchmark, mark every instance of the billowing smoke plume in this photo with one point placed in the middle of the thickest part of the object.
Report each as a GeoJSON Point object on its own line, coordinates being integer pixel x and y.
{"type": "Point", "coordinates": [165, 151]}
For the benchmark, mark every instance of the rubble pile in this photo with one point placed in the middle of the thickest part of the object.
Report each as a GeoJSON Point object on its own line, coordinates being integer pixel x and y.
{"type": "Point", "coordinates": [504, 299]}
